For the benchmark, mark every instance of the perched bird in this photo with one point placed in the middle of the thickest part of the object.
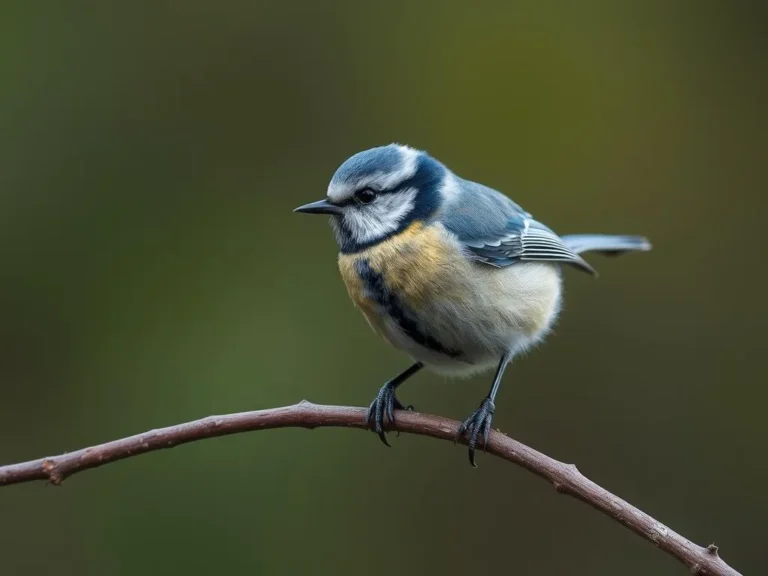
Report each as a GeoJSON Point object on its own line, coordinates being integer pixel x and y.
{"type": "Point", "coordinates": [451, 272]}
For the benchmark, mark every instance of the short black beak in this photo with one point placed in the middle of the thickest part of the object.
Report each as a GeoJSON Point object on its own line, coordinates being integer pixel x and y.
{"type": "Point", "coordinates": [319, 207]}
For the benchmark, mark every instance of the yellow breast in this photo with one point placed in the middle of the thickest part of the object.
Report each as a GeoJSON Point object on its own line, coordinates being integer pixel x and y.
{"type": "Point", "coordinates": [415, 265]}
{"type": "Point", "coordinates": [348, 266]}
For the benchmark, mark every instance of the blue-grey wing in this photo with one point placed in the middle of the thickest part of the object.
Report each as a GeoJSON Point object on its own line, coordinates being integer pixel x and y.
{"type": "Point", "coordinates": [498, 232]}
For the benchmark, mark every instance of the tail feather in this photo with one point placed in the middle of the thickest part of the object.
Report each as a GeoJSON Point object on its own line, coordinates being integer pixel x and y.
{"type": "Point", "coordinates": [606, 243]}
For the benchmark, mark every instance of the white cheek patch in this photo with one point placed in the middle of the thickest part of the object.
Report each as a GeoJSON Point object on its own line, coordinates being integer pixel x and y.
{"type": "Point", "coordinates": [370, 222]}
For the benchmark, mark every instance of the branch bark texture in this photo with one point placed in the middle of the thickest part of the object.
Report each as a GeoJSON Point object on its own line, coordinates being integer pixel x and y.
{"type": "Point", "coordinates": [564, 477]}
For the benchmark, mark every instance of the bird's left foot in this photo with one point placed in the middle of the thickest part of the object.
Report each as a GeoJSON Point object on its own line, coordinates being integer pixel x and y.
{"type": "Point", "coordinates": [479, 423]}
{"type": "Point", "coordinates": [384, 406]}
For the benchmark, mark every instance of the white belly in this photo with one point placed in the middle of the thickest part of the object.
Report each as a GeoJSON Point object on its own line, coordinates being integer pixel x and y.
{"type": "Point", "coordinates": [502, 311]}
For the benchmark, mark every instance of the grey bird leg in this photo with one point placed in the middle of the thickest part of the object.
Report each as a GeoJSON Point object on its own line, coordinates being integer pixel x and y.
{"type": "Point", "coordinates": [480, 420]}
{"type": "Point", "coordinates": [386, 402]}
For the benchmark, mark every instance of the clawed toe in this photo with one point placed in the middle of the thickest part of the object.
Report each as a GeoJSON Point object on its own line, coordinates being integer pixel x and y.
{"type": "Point", "coordinates": [384, 405]}
{"type": "Point", "coordinates": [381, 412]}
{"type": "Point", "coordinates": [477, 425]}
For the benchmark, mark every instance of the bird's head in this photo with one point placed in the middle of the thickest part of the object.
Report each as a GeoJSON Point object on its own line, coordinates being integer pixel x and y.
{"type": "Point", "coordinates": [380, 192]}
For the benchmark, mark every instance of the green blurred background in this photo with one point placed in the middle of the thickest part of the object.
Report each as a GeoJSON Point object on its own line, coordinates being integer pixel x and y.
{"type": "Point", "coordinates": [152, 272]}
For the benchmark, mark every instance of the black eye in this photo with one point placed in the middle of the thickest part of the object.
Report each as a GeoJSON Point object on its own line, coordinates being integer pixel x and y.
{"type": "Point", "coordinates": [365, 196]}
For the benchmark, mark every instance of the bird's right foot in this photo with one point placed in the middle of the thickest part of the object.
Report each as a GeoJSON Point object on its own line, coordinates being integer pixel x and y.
{"type": "Point", "coordinates": [382, 410]}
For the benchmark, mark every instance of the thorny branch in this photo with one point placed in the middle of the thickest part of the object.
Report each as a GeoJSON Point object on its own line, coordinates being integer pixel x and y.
{"type": "Point", "coordinates": [564, 477]}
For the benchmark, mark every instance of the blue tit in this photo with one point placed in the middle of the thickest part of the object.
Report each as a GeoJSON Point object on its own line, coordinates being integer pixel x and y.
{"type": "Point", "coordinates": [451, 272]}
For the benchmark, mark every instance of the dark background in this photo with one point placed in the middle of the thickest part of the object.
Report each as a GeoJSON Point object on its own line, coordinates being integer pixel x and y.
{"type": "Point", "coordinates": [151, 272]}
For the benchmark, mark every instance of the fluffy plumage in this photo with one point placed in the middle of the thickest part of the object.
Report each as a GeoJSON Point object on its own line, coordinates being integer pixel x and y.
{"type": "Point", "coordinates": [452, 272]}
{"type": "Point", "coordinates": [443, 308]}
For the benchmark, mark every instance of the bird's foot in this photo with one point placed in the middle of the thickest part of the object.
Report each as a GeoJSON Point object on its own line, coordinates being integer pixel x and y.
{"type": "Point", "coordinates": [384, 406]}
{"type": "Point", "coordinates": [479, 423]}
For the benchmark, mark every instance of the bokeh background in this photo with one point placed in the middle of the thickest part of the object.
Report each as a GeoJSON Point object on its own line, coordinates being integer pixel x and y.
{"type": "Point", "coordinates": [152, 272]}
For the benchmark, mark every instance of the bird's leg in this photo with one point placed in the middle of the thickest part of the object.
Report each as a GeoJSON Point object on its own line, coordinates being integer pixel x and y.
{"type": "Point", "coordinates": [386, 402]}
{"type": "Point", "coordinates": [480, 420]}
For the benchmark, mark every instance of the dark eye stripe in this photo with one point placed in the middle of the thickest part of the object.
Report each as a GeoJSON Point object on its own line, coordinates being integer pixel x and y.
{"type": "Point", "coordinates": [355, 199]}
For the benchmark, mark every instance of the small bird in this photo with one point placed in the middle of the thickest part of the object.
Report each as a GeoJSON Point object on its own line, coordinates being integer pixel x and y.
{"type": "Point", "coordinates": [451, 272]}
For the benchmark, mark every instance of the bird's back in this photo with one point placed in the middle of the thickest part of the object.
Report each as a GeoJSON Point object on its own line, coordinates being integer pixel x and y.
{"type": "Point", "coordinates": [478, 211]}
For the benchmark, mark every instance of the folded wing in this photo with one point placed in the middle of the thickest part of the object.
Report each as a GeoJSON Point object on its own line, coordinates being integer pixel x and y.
{"type": "Point", "coordinates": [498, 232]}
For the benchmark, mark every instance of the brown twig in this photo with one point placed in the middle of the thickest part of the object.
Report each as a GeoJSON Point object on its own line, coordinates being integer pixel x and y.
{"type": "Point", "coordinates": [564, 477]}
